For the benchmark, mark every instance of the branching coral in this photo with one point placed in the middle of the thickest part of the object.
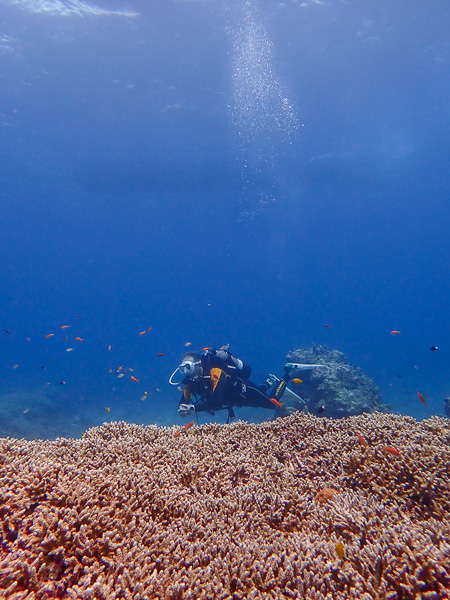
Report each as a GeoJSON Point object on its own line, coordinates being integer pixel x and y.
{"type": "Point", "coordinates": [240, 511]}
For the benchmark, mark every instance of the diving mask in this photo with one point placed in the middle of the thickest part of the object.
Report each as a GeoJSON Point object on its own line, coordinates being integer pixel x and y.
{"type": "Point", "coordinates": [188, 368]}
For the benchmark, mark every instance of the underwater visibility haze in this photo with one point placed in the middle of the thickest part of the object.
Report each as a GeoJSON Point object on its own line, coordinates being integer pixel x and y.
{"type": "Point", "coordinates": [211, 172]}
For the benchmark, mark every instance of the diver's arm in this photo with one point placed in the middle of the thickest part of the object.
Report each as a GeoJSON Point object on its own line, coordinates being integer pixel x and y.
{"type": "Point", "coordinates": [205, 405]}
{"type": "Point", "coordinates": [186, 404]}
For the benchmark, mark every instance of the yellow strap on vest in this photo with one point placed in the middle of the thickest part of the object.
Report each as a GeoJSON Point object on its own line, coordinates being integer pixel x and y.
{"type": "Point", "coordinates": [215, 376]}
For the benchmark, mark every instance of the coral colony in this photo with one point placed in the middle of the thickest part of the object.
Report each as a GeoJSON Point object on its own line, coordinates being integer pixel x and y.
{"type": "Point", "coordinates": [294, 508]}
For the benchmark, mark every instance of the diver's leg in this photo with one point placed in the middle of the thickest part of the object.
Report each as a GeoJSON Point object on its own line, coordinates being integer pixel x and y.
{"type": "Point", "coordinates": [255, 398]}
{"type": "Point", "coordinates": [268, 383]}
{"type": "Point", "coordinates": [248, 394]}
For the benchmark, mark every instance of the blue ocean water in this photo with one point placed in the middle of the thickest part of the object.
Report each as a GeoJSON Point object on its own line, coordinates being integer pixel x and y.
{"type": "Point", "coordinates": [238, 172]}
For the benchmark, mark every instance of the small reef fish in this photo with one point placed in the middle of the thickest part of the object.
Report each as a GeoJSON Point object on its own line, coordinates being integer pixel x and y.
{"type": "Point", "coordinates": [49, 335]}
{"type": "Point", "coordinates": [28, 339]}
{"type": "Point", "coordinates": [416, 367]}
{"type": "Point", "coordinates": [275, 401]}
{"type": "Point", "coordinates": [144, 396]}
{"type": "Point", "coordinates": [7, 331]}
{"type": "Point", "coordinates": [395, 332]}
{"type": "Point", "coordinates": [421, 398]}
{"type": "Point", "coordinates": [160, 354]}
{"type": "Point", "coordinates": [434, 348]}
{"type": "Point", "coordinates": [391, 450]}
{"type": "Point", "coordinates": [109, 348]}
{"type": "Point", "coordinates": [119, 369]}
{"type": "Point", "coordinates": [297, 380]}
{"type": "Point", "coordinates": [120, 375]}
{"type": "Point", "coordinates": [340, 550]}
{"type": "Point", "coordinates": [78, 339]}
{"type": "Point", "coordinates": [15, 366]}
{"type": "Point", "coordinates": [362, 441]}
{"type": "Point", "coordinates": [185, 428]}
{"type": "Point", "coordinates": [107, 408]}
{"type": "Point", "coordinates": [206, 348]}
{"type": "Point", "coordinates": [326, 326]}
{"type": "Point", "coordinates": [133, 378]}
{"type": "Point", "coordinates": [78, 316]}
{"type": "Point", "coordinates": [27, 410]}
{"type": "Point", "coordinates": [64, 326]}
{"type": "Point", "coordinates": [187, 344]}
{"type": "Point", "coordinates": [142, 333]}
{"type": "Point", "coordinates": [69, 349]}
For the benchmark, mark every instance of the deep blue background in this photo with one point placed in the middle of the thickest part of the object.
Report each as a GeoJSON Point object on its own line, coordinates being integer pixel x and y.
{"type": "Point", "coordinates": [128, 170]}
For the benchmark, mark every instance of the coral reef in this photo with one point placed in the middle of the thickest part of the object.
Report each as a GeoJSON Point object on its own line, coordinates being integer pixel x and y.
{"type": "Point", "coordinates": [296, 508]}
{"type": "Point", "coordinates": [340, 390]}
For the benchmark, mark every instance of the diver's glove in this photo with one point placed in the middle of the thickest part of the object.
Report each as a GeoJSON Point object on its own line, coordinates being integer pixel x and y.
{"type": "Point", "coordinates": [184, 410]}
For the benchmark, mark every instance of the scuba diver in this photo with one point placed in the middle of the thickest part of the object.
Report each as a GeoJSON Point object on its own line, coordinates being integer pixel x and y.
{"type": "Point", "coordinates": [217, 380]}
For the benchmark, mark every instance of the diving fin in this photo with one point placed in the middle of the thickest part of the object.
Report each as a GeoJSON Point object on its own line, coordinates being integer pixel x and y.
{"type": "Point", "coordinates": [291, 368]}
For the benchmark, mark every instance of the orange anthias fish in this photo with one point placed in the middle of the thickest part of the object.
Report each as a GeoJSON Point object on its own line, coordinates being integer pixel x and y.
{"type": "Point", "coordinates": [275, 401]}
{"type": "Point", "coordinates": [362, 441]}
{"type": "Point", "coordinates": [133, 378]}
{"type": "Point", "coordinates": [49, 335]}
{"type": "Point", "coordinates": [206, 348]}
{"type": "Point", "coordinates": [109, 348]}
{"type": "Point", "coordinates": [160, 354]}
{"type": "Point", "coordinates": [421, 398]}
{"type": "Point", "coordinates": [65, 326]}
{"type": "Point", "coordinates": [78, 339]}
{"type": "Point", "coordinates": [395, 332]}
{"type": "Point", "coordinates": [185, 428]}
{"type": "Point", "coordinates": [142, 332]}
{"type": "Point", "coordinates": [297, 380]}
{"type": "Point", "coordinates": [340, 550]}
{"type": "Point", "coordinates": [391, 450]}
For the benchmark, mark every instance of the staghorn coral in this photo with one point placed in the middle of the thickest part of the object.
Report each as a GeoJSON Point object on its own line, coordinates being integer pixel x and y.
{"type": "Point", "coordinates": [324, 495]}
{"type": "Point", "coordinates": [229, 512]}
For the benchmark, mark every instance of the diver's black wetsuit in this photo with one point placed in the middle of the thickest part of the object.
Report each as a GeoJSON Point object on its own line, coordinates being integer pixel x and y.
{"type": "Point", "coordinates": [224, 384]}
